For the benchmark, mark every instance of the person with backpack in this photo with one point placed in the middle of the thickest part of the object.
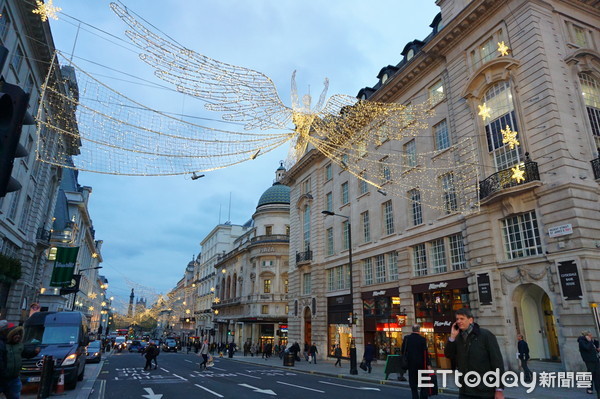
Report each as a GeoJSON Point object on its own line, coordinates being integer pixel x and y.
{"type": "Point", "coordinates": [12, 352]}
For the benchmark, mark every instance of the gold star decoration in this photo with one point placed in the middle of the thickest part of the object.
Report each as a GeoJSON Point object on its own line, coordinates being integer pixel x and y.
{"type": "Point", "coordinates": [91, 308]}
{"type": "Point", "coordinates": [518, 173]}
{"type": "Point", "coordinates": [92, 295]}
{"type": "Point", "coordinates": [503, 48]}
{"type": "Point", "coordinates": [484, 111]}
{"type": "Point", "coordinates": [46, 10]}
{"type": "Point", "coordinates": [217, 300]}
{"type": "Point", "coordinates": [509, 137]}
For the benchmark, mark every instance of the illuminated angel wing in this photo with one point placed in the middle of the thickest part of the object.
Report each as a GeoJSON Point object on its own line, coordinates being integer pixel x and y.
{"type": "Point", "coordinates": [242, 94]}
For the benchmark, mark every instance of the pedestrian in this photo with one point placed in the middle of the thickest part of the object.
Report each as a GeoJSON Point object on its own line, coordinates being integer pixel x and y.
{"type": "Point", "coordinates": [189, 346]}
{"type": "Point", "coordinates": [415, 348]}
{"type": "Point", "coordinates": [231, 349]}
{"type": "Point", "coordinates": [306, 350]}
{"type": "Point", "coordinates": [369, 355]}
{"type": "Point", "coordinates": [296, 350]}
{"type": "Point", "coordinates": [523, 349]}
{"type": "Point", "coordinates": [588, 348]}
{"type": "Point", "coordinates": [12, 352]}
{"type": "Point", "coordinates": [252, 350]}
{"type": "Point", "coordinates": [268, 350]}
{"type": "Point", "coordinates": [246, 348]}
{"type": "Point", "coordinates": [474, 349]}
{"type": "Point", "coordinates": [150, 353]}
{"type": "Point", "coordinates": [204, 354]}
{"type": "Point", "coordinates": [337, 352]}
{"type": "Point", "coordinates": [312, 352]}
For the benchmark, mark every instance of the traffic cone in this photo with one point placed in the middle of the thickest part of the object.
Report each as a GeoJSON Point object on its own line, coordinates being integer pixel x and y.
{"type": "Point", "coordinates": [60, 386]}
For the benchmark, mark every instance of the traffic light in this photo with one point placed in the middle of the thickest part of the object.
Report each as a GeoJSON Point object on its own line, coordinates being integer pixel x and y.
{"type": "Point", "coordinates": [228, 332]}
{"type": "Point", "coordinates": [13, 110]}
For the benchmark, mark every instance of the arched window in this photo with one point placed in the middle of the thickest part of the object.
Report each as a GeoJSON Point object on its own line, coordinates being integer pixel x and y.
{"type": "Point", "coordinates": [590, 89]}
{"type": "Point", "coordinates": [223, 288]}
{"type": "Point", "coordinates": [306, 227]}
{"type": "Point", "coordinates": [228, 287]}
{"type": "Point", "coordinates": [498, 99]}
{"type": "Point", "coordinates": [234, 283]}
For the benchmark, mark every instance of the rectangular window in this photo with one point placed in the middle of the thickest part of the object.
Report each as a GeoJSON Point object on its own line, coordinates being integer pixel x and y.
{"type": "Point", "coordinates": [306, 284]}
{"type": "Point", "coordinates": [345, 235]}
{"type": "Point", "coordinates": [366, 228]}
{"type": "Point", "coordinates": [25, 214]}
{"type": "Point", "coordinates": [329, 234]}
{"type": "Point", "coordinates": [306, 186]}
{"type": "Point", "coordinates": [345, 193]}
{"type": "Point", "coordinates": [442, 139]}
{"type": "Point", "coordinates": [438, 256]}
{"type": "Point", "coordinates": [521, 236]}
{"type": "Point", "coordinates": [579, 36]}
{"type": "Point", "coordinates": [330, 279]}
{"type": "Point", "coordinates": [380, 269]}
{"type": "Point", "coordinates": [28, 84]}
{"type": "Point", "coordinates": [17, 59]}
{"type": "Point", "coordinates": [4, 25]}
{"type": "Point", "coordinates": [384, 170]}
{"type": "Point", "coordinates": [286, 286]}
{"type": "Point", "coordinates": [449, 193]}
{"type": "Point", "coordinates": [419, 260]}
{"type": "Point", "coordinates": [344, 161]}
{"type": "Point", "coordinates": [363, 186]}
{"type": "Point", "coordinates": [388, 218]}
{"type": "Point", "coordinates": [368, 270]}
{"type": "Point", "coordinates": [328, 172]}
{"type": "Point", "coordinates": [306, 227]}
{"type": "Point", "coordinates": [338, 278]}
{"type": "Point", "coordinates": [436, 92]}
{"type": "Point", "coordinates": [410, 154]}
{"type": "Point", "coordinates": [417, 212]}
{"type": "Point", "coordinates": [457, 252]}
{"type": "Point", "coordinates": [268, 230]}
{"type": "Point", "coordinates": [264, 309]}
{"type": "Point", "coordinates": [393, 265]}
{"type": "Point", "coordinates": [14, 205]}
{"type": "Point", "coordinates": [329, 201]}
{"type": "Point", "coordinates": [267, 286]}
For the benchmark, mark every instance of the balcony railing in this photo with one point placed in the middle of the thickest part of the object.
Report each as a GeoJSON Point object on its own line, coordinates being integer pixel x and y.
{"type": "Point", "coordinates": [271, 238]}
{"type": "Point", "coordinates": [596, 167]}
{"type": "Point", "coordinates": [503, 179]}
{"type": "Point", "coordinates": [305, 256]}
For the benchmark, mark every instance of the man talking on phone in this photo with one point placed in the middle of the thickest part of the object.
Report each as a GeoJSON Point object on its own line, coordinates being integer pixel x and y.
{"type": "Point", "coordinates": [474, 349]}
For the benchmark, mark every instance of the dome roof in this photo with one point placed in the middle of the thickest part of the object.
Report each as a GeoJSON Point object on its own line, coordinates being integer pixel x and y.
{"type": "Point", "coordinates": [276, 194]}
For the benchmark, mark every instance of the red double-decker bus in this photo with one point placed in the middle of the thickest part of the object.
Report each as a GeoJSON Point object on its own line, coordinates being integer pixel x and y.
{"type": "Point", "coordinates": [122, 331]}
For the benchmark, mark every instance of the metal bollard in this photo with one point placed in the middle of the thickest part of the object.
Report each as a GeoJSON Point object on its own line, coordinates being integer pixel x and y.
{"type": "Point", "coordinates": [46, 378]}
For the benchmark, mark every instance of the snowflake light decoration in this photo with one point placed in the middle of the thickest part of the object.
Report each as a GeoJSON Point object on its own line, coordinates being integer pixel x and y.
{"type": "Point", "coordinates": [509, 137]}
{"type": "Point", "coordinates": [503, 49]}
{"type": "Point", "coordinates": [518, 173]}
{"type": "Point", "coordinates": [46, 10]}
{"type": "Point", "coordinates": [92, 295]}
{"type": "Point", "coordinates": [484, 111]}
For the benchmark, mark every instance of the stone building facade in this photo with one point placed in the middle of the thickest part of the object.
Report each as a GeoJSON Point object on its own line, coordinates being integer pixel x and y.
{"type": "Point", "coordinates": [526, 256]}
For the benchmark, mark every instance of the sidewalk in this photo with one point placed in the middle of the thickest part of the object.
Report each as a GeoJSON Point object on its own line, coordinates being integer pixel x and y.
{"type": "Point", "coordinates": [377, 376]}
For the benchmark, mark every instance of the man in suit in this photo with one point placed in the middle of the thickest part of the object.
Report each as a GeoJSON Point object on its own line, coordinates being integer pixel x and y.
{"type": "Point", "coordinates": [524, 356]}
{"type": "Point", "coordinates": [415, 347]}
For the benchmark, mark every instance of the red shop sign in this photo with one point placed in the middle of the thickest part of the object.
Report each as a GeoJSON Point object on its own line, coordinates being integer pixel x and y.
{"type": "Point", "coordinates": [393, 327]}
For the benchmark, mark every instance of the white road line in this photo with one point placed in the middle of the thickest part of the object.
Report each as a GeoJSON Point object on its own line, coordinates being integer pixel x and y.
{"type": "Point", "coordinates": [216, 368]}
{"type": "Point", "coordinates": [300, 386]}
{"type": "Point", "coordinates": [165, 370]}
{"type": "Point", "coordinates": [251, 376]}
{"type": "Point", "coordinates": [175, 375]}
{"type": "Point", "coordinates": [189, 361]}
{"type": "Point", "coordinates": [351, 387]}
{"type": "Point", "coordinates": [208, 390]}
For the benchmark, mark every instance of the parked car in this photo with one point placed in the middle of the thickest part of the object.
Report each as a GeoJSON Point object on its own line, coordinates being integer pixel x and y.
{"type": "Point", "coordinates": [170, 345]}
{"type": "Point", "coordinates": [93, 352]}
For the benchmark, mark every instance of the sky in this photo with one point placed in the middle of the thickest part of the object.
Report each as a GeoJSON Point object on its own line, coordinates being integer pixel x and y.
{"type": "Point", "coordinates": [152, 227]}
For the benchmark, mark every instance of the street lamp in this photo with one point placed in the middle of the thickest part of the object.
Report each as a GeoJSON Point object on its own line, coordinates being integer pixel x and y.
{"type": "Point", "coordinates": [90, 268]}
{"type": "Point", "coordinates": [353, 369]}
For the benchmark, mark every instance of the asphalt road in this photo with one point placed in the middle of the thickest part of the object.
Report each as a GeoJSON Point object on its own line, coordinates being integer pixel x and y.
{"type": "Point", "coordinates": [178, 376]}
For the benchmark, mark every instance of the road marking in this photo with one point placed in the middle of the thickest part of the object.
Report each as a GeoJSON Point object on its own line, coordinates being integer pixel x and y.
{"type": "Point", "coordinates": [251, 376]}
{"type": "Point", "coordinates": [151, 394]}
{"type": "Point", "coordinates": [175, 375]}
{"type": "Point", "coordinates": [102, 389]}
{"type": "Point", "coordinates": [208, 390]}
{"type": "Point", "coordinates": [216, 368]}
{"type": "Point", "coordinates": [267, 391]}
{"type": "Point", "coordinates": [189, 361]}
{"type": "Point", "coordinates": [165, 370]}
{"type": "Point", "coordinates": [299, 386]}
{"type": "Point", "coordinates": [348, 386]}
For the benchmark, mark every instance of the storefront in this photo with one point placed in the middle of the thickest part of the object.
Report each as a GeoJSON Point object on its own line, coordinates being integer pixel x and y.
{"type": "Point", "coordinates": [435, 304]}
{"type": "Point", "coordinates": [339, 309]}
{"type": "Point", "coordinates": [384, 320]}
{"type": "Point", "coordinates": [282, 334]}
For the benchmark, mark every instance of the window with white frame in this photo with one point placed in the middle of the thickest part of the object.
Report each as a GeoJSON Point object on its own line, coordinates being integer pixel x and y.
{"type": "Point", "coordinates": [380, 269]}
{"type": "Point", "coordinates": [368, 270]}
{"type": "Point", "coordinates": [264, 309]}
{"type": "Point", "coordinates": [338, 278]}
{"type": "Point", "coordinates": [14, 204]}
{"type": "Point", "coordinates": [28, 87]}
{"type": "Point", "coordinates": [388, 218]}
{"type": "Point", "coordinates": [25, 213]}
{"type": "Point", "coordinates": [438, 256]}
{"type": "Point", "coordinates": [442, 138]}
{"type": "Point", "coordinates": [366, 227]}
{"type": "Point", "coordinates": [419, 260]}
{"type": "Point", "coordinates": [410, 154]}
{"type": "Point", "coordinates": [436, 92]}
{"type": "Point", "coordinates": [345, 193]}
{"type": "Point", "coordinates": [448, 193]}
{"type": "Point", "coordinates": [487, 50]}
{"type": "Point", "coordinates": [329, 239]}
{"type": "Point", "coordinates": [498, 99]}
{"type": "Point", "coordinates": [328, 172]}
{"type": "Point", "coordinates": [345, 235]}
{"type": "Point", "coordinates": [306, 188]}
{"type": "Point", "coordinates": [306, 284]}
{"type": "Point", "coordinates": [385, 171]}
{"type": "Point", "coordinates": [457, 252]}
{"type": "Point", "coordinates": [363, 186]}
{"type": "Point", "coordinates": [415, 206]}
{"type": "Point", "coordinates": [393, 265]}
{"type": "Point", "coordinates": [521, 235]}
{"type": "Point", "coordinates": [267, 286]}
{"type": "Point", "coordinates": [345, 161]}
{"type": "Point", "coordinates": [590, 89]}
{"type": "Point", "coordinates": [4, 25]}
{"type": "Point", "coordinates": [306, 227]}
{"type": "Point", "coordinates": [330, 279]}
{"type": "Point", "coordinates": [329, 201]}
{"type": "Point", "coordinates": [17, 59]}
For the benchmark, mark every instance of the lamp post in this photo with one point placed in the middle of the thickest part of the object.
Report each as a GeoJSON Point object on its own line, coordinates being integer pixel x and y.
{"type": "Point", "coordinates": [353, 316]}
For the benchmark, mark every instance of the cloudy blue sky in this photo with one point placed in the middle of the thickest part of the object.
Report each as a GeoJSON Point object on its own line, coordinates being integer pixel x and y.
{"type": "Point", "coordinates": [152, 226]}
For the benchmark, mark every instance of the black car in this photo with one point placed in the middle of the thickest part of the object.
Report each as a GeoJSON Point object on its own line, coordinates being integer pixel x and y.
{"type": "Point", "coordinates": [170, 345]}
{"type": "Point", "coordinates": [93, 352]}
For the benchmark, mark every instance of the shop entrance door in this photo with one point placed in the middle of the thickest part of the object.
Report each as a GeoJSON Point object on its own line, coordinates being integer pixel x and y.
{"type": "Point", "coordinates": [550, 324]}
{"type": "Point", "coordinates": [307, 326]}
{"type": "Point", "coordinates": [539, 325]}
